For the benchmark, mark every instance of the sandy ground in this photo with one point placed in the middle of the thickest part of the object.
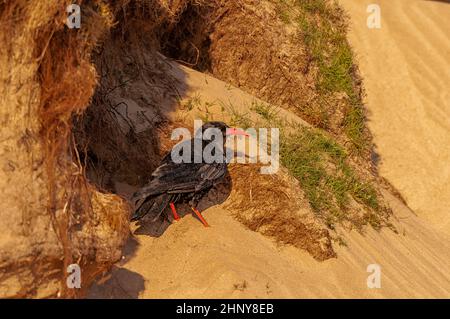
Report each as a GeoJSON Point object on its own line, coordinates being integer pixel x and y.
{"type": "Point", "coordinates": [406, 70]}
{"type": "Point", "coordinates": [230, 261]}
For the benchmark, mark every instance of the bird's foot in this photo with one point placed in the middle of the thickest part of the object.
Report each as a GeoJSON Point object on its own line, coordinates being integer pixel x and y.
{"type": "Point", "coordinates": [199, 215]}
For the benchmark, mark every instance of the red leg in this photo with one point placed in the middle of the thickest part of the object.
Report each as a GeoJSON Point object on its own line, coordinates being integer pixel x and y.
{"type": "Point", "coordinates": [174, 211]}
{"type": "Point", "coordinates": [200, 216]}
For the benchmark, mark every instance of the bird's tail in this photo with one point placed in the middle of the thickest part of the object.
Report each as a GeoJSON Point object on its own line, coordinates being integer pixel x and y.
{"type": "Point", "coordinates": [152, 206]}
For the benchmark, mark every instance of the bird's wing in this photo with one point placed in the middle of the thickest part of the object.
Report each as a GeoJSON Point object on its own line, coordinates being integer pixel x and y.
{"type": "Point", "coordinates": [175, 178]}
{"type": "Point", "coordinates": [186, 178]}
{"type": "Point", "coordinates": [209, 173]}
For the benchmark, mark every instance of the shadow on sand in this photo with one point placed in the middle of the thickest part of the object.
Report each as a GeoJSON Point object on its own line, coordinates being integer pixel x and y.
{"type": "Point", "coordinates": [121, 283]}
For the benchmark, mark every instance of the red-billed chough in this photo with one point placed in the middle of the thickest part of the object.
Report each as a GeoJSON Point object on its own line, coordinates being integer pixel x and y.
{"type": "Point", "coordinates": [189, 181]}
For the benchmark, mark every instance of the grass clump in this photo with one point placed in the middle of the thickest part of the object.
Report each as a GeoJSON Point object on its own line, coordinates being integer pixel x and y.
{"type": "Point", "coordinates": [331, 185]}
{"type": "Point", "coordinates": [266, 111]}
{"type": "Point", "coordinates": [336, 192]}
{"type": "Point", "coordinates": [323, 28]}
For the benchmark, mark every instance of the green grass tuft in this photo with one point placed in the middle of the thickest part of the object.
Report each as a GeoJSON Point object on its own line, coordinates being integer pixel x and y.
{"type": "Point", "coordinates": [329, 182]}
{"type": "Point", "coordinates": [324, 29]}
{"type": "Point", "coordinates": [266, 111]}
{"type": "Point", "coordinates": [321, 165]}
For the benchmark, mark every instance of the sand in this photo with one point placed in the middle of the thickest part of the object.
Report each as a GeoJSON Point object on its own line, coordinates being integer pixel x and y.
{"type": "Point", "coordinates": [406, 71]}
{"type": "Point", "coordinates": [228, 260]}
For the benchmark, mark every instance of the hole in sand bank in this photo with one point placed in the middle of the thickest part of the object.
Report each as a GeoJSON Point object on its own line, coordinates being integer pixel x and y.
{"type": "Point", "coordinates": [120, 134]}
{"type": "Point", "coordinates": [188, 42]}
{"type": "Point", "coordinates": [126, 129]}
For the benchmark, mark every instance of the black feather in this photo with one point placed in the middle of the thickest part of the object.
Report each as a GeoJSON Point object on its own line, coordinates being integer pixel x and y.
{"type": "Point", "coordinates": [172, 182]}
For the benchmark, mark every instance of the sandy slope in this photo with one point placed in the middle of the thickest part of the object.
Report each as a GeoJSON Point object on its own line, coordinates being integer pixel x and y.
{"type": "Point", "coordinates": [406, 70]}
{"type": "Point", "coordinates": [228, 260]}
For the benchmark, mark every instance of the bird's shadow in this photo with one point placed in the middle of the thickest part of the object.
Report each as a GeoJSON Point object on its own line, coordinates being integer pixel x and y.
{"type": "Point", "coordinates": [120, 284]}
{"type": "Point", "coordinates": [216, 196]}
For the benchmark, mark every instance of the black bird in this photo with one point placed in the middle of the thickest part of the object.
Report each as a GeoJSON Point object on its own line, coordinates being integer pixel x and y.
{"type": "Point", "coordinates": [186, 181]}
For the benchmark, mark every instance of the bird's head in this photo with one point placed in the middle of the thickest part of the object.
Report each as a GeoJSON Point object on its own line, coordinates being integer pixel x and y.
{"type": "Point", "coordinates": [224, 128]}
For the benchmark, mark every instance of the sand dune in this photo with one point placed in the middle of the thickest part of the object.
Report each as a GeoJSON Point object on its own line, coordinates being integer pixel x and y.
{"type": "Point", "coordinates": [406, 70]}
{"type": "Point", "coordinates": [230, 261]}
